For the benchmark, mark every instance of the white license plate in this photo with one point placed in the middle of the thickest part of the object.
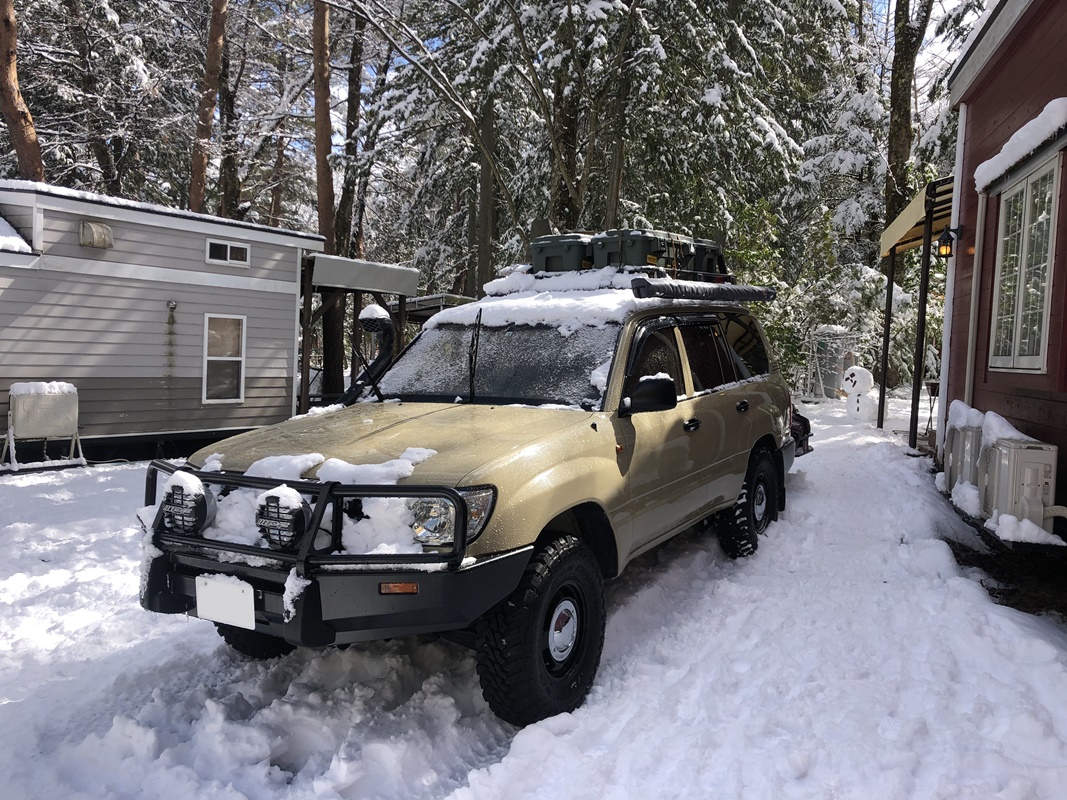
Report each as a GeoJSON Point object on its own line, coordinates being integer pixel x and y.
{"type": "Point", "coordinates": [227, 600]}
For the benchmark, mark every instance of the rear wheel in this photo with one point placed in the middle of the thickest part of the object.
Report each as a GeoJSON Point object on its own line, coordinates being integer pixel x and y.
{"type": "Point", "coordinates": [253, 643]}
{"type": "Point", "coordinates": [538, 651]}
{"type": "Point", "coordinates": [756, 507]}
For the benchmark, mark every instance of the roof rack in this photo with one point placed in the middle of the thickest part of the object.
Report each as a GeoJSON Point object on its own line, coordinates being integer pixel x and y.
{"type": "Point", "coordinates": [692, 290]}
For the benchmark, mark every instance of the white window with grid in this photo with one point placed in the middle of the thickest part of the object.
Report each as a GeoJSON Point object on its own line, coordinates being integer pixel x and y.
{"type": "Point", "coordinates": [224, 358]}
{"type": "Point", "coordinates": [1023, 278]}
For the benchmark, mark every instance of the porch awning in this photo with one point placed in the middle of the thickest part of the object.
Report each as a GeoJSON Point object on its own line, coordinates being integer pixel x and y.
{"type": "Point", "coordinates": [336, 272]}
{"type": "Point", "coordinates": [906, 231]}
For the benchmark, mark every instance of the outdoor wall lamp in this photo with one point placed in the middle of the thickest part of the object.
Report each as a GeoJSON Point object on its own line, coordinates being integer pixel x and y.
{"type": "Point", "coordinates": [945, 240]}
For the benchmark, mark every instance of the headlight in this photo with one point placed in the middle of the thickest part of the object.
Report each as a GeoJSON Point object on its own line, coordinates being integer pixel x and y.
{"type": "Point", "coordinates": [187, 507]}
{"type": "Point", "coordinates": [282, 516]}
{"type": "Point", "coordinates": [434, 518]}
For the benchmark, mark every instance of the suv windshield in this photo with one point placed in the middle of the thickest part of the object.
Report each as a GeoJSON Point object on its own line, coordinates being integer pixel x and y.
{"type": "Point", "coordinates": [534, 364]}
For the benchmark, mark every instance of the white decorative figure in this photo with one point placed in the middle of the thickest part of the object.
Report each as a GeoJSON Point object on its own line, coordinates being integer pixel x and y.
{"type": "Point", "coordinates": [857, 383]}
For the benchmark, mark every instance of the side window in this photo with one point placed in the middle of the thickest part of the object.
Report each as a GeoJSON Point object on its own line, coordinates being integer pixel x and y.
{"type": "Point", "coordinates": [746, 346]}
{"type": "Point", "coordinates": [224, 361]}
{"type": "Point", "coordinates": [1024, 271]}
{"type": "Point", "coordinates": [657, 353]}
{"type": "Point", "coordinates": [221, 252]}
{"type": "Point", "coordinates": [709, 360]}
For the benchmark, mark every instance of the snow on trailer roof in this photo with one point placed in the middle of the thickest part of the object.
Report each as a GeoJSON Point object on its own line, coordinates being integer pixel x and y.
{"type": "Point", "coordinates": [31, 187]}
{"type": "Point", "coordinates": [10, 241]}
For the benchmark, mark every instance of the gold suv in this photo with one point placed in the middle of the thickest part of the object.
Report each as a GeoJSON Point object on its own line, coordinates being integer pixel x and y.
{"type": "Point", "coordinates": [517, 454]}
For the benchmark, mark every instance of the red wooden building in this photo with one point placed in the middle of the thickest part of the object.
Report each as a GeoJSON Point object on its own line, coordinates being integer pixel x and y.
{"type": "Point", "coordinates": [1005, 347]}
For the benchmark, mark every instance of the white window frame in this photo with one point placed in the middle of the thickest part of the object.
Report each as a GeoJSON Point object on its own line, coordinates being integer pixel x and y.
{"type": "Point", "coordinates": [229, 260]}
{"type": "Point", "coordinates": [1015, 362]}
{"type": "Point", "coordinates": [242, 360]}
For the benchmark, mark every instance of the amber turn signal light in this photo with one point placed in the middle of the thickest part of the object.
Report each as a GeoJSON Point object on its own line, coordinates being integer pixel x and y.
{"type": "Point", "coordinates": [398, 588]}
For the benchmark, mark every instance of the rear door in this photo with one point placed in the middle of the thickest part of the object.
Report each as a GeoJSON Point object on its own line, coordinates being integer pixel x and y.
{"type": "Point", "coordinates": [718, 416]}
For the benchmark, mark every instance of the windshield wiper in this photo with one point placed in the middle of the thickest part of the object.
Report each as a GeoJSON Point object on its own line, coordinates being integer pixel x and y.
{"type": "Point", "coordinates": [472, 354]}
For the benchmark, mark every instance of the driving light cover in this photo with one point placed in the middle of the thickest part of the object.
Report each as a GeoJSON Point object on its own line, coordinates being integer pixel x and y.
{"type": "Point", "coordinates": [282, 516]}
{"type": "Point", "coordinates": [434, 519]}
{"type": "Point", "coordinates": [187, 507]}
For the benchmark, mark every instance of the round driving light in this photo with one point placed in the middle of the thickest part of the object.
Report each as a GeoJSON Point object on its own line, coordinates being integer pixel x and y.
{"type": "Point", "coordinates": [282, 516]}
{"type": "Point", "coordinates": [187, 507]}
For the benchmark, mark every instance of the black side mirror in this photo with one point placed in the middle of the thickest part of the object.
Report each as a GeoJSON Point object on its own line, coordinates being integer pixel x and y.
{"type": "Point", "coordinates": [650, 394]}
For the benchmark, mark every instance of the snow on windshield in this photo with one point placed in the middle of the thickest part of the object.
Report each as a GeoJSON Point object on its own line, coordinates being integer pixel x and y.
{"type": "Point", "coordinates": [534, 364]}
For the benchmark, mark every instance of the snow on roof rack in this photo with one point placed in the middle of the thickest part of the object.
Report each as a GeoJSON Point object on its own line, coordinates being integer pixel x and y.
{"type": "Point", "coordinates": [692, 290]}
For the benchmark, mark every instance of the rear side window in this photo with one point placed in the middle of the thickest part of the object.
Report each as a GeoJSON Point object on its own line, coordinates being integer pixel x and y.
{"type": "Point", "coordinates": [709, 360]}
{"type": "Point", "coordinates": [746, 346]}
{"type": "Point", "coordinates": [658, 354]}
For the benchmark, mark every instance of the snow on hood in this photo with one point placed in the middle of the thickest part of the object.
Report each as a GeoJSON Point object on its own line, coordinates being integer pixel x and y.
{"type": "Point", "coordinates": [359, 444]}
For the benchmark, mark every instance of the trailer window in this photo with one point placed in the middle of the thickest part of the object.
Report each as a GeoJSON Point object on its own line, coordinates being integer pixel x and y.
{"type": "Point", "coordinates": [224, 358]}
{"type": "Point", "coordinates": [231, 253]}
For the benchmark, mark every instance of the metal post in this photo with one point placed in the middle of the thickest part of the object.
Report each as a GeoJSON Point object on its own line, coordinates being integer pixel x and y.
{"type": "Point", "coordinates": [885, 333]}
{"type": "Point", "coordinates": [920, 331]}
{"type": "Point", "coordinates": [305, 339]}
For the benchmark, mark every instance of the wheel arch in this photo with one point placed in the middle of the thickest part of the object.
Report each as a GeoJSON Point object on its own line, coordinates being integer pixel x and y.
{"type": "Point", "coordinates": [589, 523]}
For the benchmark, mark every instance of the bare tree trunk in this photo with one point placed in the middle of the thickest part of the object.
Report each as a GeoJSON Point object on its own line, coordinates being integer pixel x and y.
{"type": "Point", "coordinates": [205, 113]}
{"type": "Point", "coordinates": [16, 114]}
{"type": "Point", "coordinates": [333, 320]}
{"type": "Point", "coordinates": [277, 179]}
{"type": "Point", "coordinates": [106, 155]}
{"type": "Point", "coordinates": [229, 177]}
{"type": "Point", "coordinates": [908, 37]}
{"type": "Point", "coordinates": [486, 198]}
{"type": "Point", "coordinates": [617, 126]}
{"type": "Point", "coordinates": [382, 71]}
{"type": "Point", "coordinates": [350, 182]}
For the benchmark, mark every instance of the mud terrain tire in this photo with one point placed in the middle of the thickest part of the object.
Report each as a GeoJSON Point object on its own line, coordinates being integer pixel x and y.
{"type": "Point", "coordinates": [756, 507]}
{"type": "Point", "coordinates": [538, 650]}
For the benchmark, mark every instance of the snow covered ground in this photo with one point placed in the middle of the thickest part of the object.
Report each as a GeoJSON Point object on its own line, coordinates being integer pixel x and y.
{"type": "Point", "coordinates": [848, 658]}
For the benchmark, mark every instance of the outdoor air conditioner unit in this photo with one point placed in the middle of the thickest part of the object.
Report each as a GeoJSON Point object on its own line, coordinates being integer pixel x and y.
{"type": "Point", "coordinates": [42, 411]}
{"type": "Point", "coordinates": [1018, 478]}
{"type": "Point", "coordinates": [962, 449]}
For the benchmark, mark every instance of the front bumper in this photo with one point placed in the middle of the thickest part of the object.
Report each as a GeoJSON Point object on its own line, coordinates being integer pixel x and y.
{"type": "Point", "coordinates": [315, 597]}
{"type": "Point", "coordinates": [339, 607]}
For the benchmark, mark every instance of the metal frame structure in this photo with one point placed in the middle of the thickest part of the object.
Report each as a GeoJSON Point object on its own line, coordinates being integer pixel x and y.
{"type": "Point", "coordinates": [929, 210]}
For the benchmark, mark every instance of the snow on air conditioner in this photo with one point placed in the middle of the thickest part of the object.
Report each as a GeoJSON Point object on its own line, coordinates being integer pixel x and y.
{"type": "Point", "coordinates": [42, 411]}
{"type": "Point", "coordinates": [996, 473]}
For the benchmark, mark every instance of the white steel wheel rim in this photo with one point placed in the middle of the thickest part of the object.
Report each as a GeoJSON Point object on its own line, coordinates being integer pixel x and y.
{"type": "Point", "coordinates": [562, 631]}
{"type": "Point", "coordinates": [760, 502]}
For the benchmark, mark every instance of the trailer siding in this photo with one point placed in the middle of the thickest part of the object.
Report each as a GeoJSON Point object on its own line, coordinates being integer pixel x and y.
{"type": "Point", "coordinates": [100, 318]}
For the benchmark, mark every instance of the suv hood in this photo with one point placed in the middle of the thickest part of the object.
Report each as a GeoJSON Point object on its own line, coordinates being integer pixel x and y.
{"type": "Point", "coordinates": [464, 436]}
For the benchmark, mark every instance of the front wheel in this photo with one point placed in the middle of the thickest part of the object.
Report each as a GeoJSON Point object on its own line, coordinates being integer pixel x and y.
{"type": "Point", "coordinates": [755, 509]}
{"type": "Point", "coordinates": [538, 650]}
{"type": "Point", "coordinates": [253, 643]}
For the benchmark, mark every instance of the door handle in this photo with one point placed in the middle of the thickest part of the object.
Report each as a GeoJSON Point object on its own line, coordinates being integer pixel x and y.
{"type": "Point", "coordinates": [742, 406]}
{"type": "Point", "coordinates": [691, 424]}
